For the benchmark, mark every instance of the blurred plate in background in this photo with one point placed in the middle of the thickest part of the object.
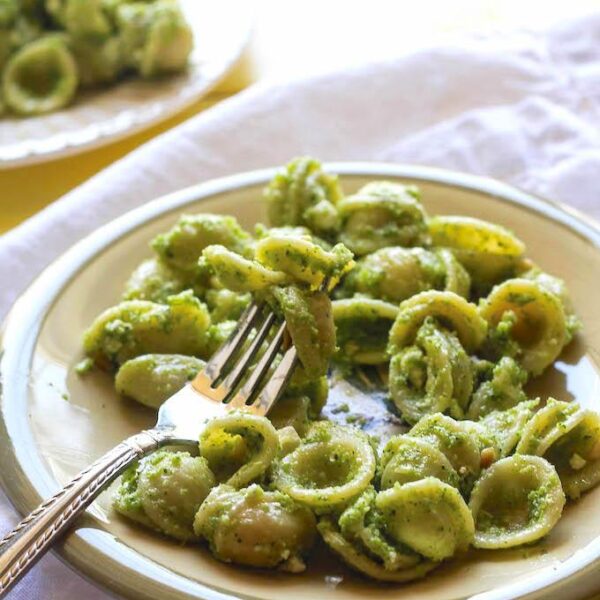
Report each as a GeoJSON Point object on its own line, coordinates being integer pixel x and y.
{"type": "Point", "coordinates": [222, 31]}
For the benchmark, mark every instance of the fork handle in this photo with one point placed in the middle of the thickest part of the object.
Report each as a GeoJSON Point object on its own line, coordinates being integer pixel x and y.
{"type": "Point", "coordinates": [33, 536]}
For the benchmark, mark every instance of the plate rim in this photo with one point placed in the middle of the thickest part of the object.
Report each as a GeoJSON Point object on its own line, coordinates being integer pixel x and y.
{"type": "Point", "coordinates": [72, 147]}
{"type": "Point", "coordinates": [23, 475]}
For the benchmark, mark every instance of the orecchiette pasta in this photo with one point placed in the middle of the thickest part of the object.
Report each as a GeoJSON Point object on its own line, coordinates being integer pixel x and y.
{"type": "Point", "coordinates": [168, 41]}
{"type": "Point", "coordinates": [539, 325]}
{"type": "Point", "coordinates": [557, 287]}
{"type": "Point", "coordinates": [405, 459]}
{"type": "Point", "coordinates": [256, 528]}
{"type": "Point", "coordinates": [547, 426]}
{"type": "Point", "coordinates": [152, 378]}
{"type": "Point", "coordinates": [468, 233]}
{"type": "Point", "coordinates": [304, 260]}
{"type": "Point", "coordinates": [154, 281]}
{"type": "Point", "coordinates": [381, 214]}
{"type": "Point", "coordinates": [362, 327]}
{"type": "Point", "coordinates": [517, 501]}
{"type": "Point", "coordinates": [138, 327]}
{"type": "Point", "coordinates": [506, 426]}
{"type": "Point", "coordinates": [182, 245]}
{"type": "Point", "coordinates": [361, 561]}
{"type": "Point", "coordinates": [568, 437]}
{"type": "Point", "coordinates": [225, 305]}
{"type": "Point", "coordinates": [40, 77]}
{"type": "Point", "coordinates": [291, 411]}
{"type": "Point", "coordinates": [453, 312]}
{"type": "Point", "coordinates": [439, 326]}
{"type": "Point", "coordinates": [239, 447]}
{"type": "Point", "coordinates": [332, 466]}
{"type": "Point", "coordinates": [49, 48]}
{"type": "Point", "coordinates": [455, 440]}
{"type": "Point", "coordinates": [165, 491]}
{"type": "Point", "coordinates": [502, 390]}
{"type": "Point", "coordinates": [241, 274]}
{"type": "Point", "coordinates": [433, 375]}
{"type": "Point", "coordinates": [309, 320]}
{"type": "Point", "coordinates": [395, 273]}
{"type": "Point", "coordinates": [428, 516]}
{"type": "Point", "coordinates": [303, 194]}
{"type": "Point", "coordinates": [360, 538]}
{"type": "Point", "coordinates": [486, 269]}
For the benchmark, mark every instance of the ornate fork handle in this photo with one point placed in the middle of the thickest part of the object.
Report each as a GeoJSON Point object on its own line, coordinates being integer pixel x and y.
{"type": "Point", "coordinates": [30, 539]}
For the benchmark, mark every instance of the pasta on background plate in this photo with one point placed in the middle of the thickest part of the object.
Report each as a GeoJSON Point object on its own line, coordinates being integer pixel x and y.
{"type": "Point", "coordinates": [446, 312]}
{"type": "Point", "coordinates": [49, 49]}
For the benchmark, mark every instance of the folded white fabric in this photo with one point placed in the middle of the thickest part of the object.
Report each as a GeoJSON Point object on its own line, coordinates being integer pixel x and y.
{"type": "Point", "coordinates": [524, 108]}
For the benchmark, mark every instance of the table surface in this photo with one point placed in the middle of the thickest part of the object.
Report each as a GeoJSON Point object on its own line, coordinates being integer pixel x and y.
{"type": "Point", "coordinates": [277, 52]}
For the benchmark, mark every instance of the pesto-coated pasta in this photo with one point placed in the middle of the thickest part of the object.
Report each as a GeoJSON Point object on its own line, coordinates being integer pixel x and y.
{"type": "Point", "coordinates": [506, 426]}
{"type": "Point", "coordinates": [84, 18]}
{"type": "Point", "coordinates": [99, 59]}
{"type": "Point", "coordinates": [405, 459]}
{"type": "Point", "coordinates": [360, 561]}
{"type": "Point", "coordinates": [165, 491]}
{"type": "Point", "coordinates": [455, 440]}
{"type": "Point", "coordinates": [487, 270]}
{"type": "Point", "coordinates": [304, 260]}
{"type": "Point", "coordinates": [538, 328]}
{"type": "Point", "coordinates": [557, 287]}
{"type": "Point", "coordinates": [568, 437]}
{"type": "Point", "coordinates": [241, 274]}
{"type": "Point", "coordinates": [182, 245]}
{"type": "Point", "coordinates": [289, 440]}
{"type": "Point", "coordinates": [362, 327]}
{"type": "Point", "coordinates": [453, 311]}
{"type": "Point", "coordinates": [381, 214]}
{"type": "Point", "coordinates": [51, 48]}
{"type": "Point", "coordinates": [40, 77]}
{"type": "Point", "coordinates": [396, 273]}
{"type": "Point", "coordinates": [428, 516]}
{"type": "Point", "coordinates": [360, 538]}
{"type": "Point", "coordinates": [456, 277]}
{"type": "Point", "coordinates": [517, 501]}
{"type": "Point", "coordinates": [405, 429]}
{"type": "Point", "coordinates": [309, 320]}
{"type": "Point", "coordinates": [168, 41]}
{"type": "Point", "coordinates": [153, 280]}
{"type": "Point", "coordinates": [502, 389]}
{"type": "Point", "coordinates": [547, 426]}
{"type": "Point", "coordinates": [172, 486]}
{"type": "Point", "coordinates": [291, 411]}
{"type": "Point", "coordinates": [151, 379]}
{"type": "Point", "coordinates": [239, 447]}
{"type": "Point", "coordinates": [576, 455]}
{"type": "Point", "coordinates": [468, 233]}
{"type": "Point", "coordinates": [138, 327]}
{"type": "Point", "coordinates": [303, 194]}
{"type": "Point", "coordinates": [332, 466]}
{"type": "Point", "coordinates": [255, 527]}
{"type": "Point", "coordinates": [225, 305]}
{"type": "Point", "coordinates": [432, 376]}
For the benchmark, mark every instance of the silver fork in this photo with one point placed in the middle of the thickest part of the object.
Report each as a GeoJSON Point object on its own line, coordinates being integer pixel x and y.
{"type": "Point", "coordinates": [213, 392]}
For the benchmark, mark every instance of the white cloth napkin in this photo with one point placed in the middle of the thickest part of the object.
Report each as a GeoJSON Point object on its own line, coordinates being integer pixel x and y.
{"type": "Point", "coordinates": [524, 108]}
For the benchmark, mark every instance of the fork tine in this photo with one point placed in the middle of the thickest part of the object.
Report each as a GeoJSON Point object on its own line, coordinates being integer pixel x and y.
{"type": "Point", "coordinates": [214, 367]}
{"type": "Point", "coordinates": [242, 362]}
{"type": "Point", "coordinates": [271, 392]}
{"type": "Point", "coordinates": [251, 386]}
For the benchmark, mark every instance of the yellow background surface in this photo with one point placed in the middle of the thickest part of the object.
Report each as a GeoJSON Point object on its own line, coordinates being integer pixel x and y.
{"type": "Point", "coordinates": [292, 43]}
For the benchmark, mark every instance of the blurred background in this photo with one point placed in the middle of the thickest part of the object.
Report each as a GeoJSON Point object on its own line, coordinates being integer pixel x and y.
{"type": "Point", "coordinates": [294, 40]}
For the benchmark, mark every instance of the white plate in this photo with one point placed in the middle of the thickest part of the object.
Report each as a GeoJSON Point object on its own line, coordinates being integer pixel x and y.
{"type": "Point", "coordinates": [222, 30]}
{"type": "Point", "coordinates": [54, 423]}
